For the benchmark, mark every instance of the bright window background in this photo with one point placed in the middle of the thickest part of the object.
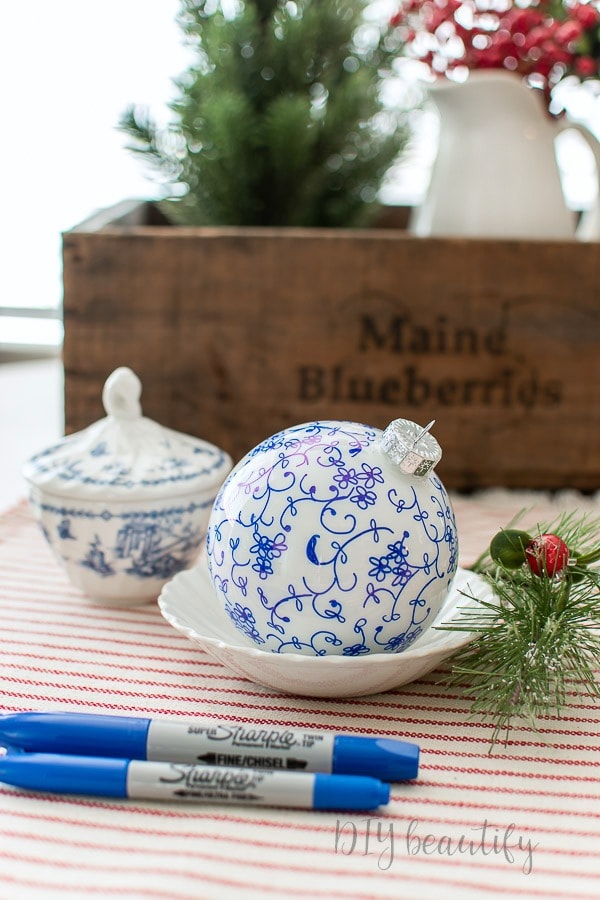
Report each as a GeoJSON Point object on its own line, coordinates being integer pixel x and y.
{"type": "Point", "coordinates": [68, 69]}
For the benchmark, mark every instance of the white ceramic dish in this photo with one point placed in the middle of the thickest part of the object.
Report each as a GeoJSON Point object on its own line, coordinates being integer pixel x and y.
{"type": "Point", "coordinates": [189, 604]}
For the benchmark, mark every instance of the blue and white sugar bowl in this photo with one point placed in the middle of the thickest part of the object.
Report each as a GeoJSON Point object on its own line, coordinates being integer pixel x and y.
{"type": "Point", "coordinates": [125, 503]}
{"type": "Point", "coordinates": [334, 538]}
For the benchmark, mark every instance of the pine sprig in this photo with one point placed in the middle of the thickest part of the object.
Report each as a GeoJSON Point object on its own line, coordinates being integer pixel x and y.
{"type": "Point", "coordinates": [538, 643]}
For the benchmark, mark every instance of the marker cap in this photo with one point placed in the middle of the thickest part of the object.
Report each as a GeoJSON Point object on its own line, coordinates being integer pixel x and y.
{"type": "Point", "coordinates": [65, 774]}
{"type": "Point", "coordinates": [76, 733]}
{"type": "Point", "coordinates": [385, 758]}
{"type": "Point", "coordinates": [349, 792]}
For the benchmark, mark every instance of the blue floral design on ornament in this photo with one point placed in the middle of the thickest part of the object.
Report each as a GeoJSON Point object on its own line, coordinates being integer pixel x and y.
{"type": "Point", "coordinates": [314, 473]}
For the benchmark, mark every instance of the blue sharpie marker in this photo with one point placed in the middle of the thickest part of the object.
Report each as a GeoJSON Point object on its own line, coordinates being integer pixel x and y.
{"type": "Point", "coordinates": [102, 777]}
{"type": "Point", "coordinates": [211, 743]}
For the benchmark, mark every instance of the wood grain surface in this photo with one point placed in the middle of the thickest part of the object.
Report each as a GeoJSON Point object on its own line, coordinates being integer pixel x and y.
{"type": "Point", "coordinates": [238, 333]}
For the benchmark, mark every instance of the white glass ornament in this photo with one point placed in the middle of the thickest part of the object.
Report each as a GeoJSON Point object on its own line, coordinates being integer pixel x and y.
{"type": "Point", "coordinates": [334, 538]}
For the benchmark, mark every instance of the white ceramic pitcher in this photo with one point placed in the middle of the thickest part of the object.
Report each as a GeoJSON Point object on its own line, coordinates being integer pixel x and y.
{"type": "Point", "coordinates": [496, 174]}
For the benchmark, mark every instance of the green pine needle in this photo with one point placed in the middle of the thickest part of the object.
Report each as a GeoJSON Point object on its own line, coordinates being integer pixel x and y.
{"type": "Point", "coordinates": [280, 120]}
{"type": "Point", "coordinates": [539, 642]}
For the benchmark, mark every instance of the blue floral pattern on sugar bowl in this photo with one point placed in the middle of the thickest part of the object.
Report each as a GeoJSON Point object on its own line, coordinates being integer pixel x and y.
{"type": "Point", "coordinates": [334, 538]}
{"type": "Point", "coordinates": [125, 503]}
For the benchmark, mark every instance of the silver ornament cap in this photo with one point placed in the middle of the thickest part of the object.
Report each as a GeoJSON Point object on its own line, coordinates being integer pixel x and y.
{"type": "Point", "coordinates": [412, 448]}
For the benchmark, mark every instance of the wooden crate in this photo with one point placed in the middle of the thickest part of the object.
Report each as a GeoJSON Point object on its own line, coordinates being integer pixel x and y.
{"type": "Point", "coordinates": [237, 333]}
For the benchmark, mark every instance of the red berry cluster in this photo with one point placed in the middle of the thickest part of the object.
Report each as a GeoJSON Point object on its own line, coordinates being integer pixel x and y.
{"type": "Point", "coordinates": [545, 38]}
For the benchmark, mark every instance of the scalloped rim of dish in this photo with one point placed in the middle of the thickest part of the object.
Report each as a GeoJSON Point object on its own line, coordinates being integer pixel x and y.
{"type": "Point", "coordinates": [467, 586]}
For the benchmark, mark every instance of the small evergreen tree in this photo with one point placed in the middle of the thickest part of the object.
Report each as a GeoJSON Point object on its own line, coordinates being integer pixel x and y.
{"type": "Point", "coordinates": [279, 121]}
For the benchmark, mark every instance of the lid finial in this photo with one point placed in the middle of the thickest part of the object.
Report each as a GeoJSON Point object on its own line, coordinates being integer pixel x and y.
{"type": "Point", "coordinates": [121, 394]}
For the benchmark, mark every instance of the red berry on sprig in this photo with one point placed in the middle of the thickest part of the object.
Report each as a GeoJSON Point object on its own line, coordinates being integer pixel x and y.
{"type": "Point", "coordinates": [547, 555]}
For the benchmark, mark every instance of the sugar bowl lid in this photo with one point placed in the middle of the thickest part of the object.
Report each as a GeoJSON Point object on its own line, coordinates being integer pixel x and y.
{"type": "Point", "coordinates": [126, 456]}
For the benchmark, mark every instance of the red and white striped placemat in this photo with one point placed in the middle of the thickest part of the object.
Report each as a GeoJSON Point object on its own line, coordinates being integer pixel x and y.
{"type": "Point", "coordinates": [523, 822]}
